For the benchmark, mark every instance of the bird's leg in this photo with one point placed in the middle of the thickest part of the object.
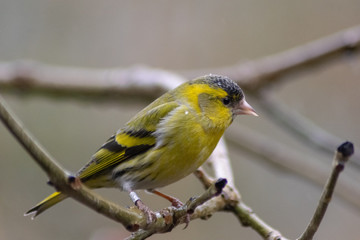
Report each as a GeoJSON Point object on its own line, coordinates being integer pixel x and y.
{"type": "Point", "coordinates": [174, 201]}
{"type": "Point", "coordinates": [150, 215]}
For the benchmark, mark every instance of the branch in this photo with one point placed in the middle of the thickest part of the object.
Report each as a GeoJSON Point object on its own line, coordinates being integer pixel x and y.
{"type": "Point", "coordinates": [130, 219]}
{"type": "Point", "coordinates": [248, 218]}
{"type": "Point", "coordinates": [252, 75]}
{"type": "Point", "coordinates": [142, 81]}
{"type": "Point", "coordinates": [38, 77]}
{"type": "Point", "coordinates": [342, 155]}
{"type": "Point", "coordinates": [255, 75]}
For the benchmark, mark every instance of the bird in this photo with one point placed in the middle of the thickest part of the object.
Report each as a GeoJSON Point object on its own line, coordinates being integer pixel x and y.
{"type": "Point", "coordinates": [163, 143]}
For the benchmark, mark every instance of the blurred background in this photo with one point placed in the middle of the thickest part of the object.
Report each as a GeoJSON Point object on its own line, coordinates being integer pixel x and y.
{"type": "Point", "coordinates": [173, 35]}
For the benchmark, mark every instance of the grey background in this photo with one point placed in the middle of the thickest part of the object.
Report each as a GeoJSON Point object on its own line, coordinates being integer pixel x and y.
{"type": "Point", "coordinates": [173, 35]}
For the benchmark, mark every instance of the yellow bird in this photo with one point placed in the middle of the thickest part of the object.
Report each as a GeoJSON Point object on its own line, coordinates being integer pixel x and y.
{"type": "Point", "coordinates": [165, 142]}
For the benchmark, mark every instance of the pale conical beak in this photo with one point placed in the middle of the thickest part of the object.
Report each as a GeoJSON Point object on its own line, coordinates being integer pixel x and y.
{"type": "Point", "coordinates": [243, 108]}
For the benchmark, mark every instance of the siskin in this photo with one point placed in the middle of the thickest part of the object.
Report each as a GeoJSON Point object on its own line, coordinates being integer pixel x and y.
{"type": "Point", "coordinates": [165, 142]}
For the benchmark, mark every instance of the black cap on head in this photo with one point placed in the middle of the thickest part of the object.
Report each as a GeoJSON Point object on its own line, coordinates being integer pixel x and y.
{"type": "Point", "coordinates": [226, 84]}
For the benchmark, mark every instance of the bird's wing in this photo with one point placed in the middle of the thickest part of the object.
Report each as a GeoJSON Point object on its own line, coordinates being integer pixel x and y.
{"type": "Point", "coordinates": [136, 138]}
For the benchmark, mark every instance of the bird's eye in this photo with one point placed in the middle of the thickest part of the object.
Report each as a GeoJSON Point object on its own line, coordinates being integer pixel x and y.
{"type": "Point", "coordinates": [226, 100]}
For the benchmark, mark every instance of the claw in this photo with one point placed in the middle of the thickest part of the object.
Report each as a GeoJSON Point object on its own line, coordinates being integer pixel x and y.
{"type": "Point", "coordinates": [176, 203]}
{"type": "Point", "coordinates": [187, 220]}
{"type": "Point", "coordinates": [150, 215]}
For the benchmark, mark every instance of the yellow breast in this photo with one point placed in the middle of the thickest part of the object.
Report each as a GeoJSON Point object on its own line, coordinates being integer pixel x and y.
{"type": "Point", "coordinates": [182, 147]}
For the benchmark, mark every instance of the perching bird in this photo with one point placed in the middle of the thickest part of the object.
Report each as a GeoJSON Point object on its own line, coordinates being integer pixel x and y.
{"type": "Point", "coordinates": [165, 142]}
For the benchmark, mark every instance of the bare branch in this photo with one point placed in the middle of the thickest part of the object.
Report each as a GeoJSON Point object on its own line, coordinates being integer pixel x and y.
{"type": "Point", "coordinates": [342, 155]}
{"type": "Point", "coordinates": [146, 81]}
{"type": "Point", "coordinates": [248, 218]}
{"type": "Point", "coordinates": [151, 82]}
{"type": "Point", "coordinates": [258, 74]}
{"type": "Point", "coordinates": [138, 80]}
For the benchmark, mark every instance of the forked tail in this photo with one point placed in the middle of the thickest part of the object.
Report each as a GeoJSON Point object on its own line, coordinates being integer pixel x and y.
{"type": "Point", "coordinates": [46, 203]}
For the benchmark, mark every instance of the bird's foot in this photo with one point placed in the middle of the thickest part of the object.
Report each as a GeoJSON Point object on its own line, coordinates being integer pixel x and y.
{"type": "Point", "coordinates": [175, 203]}
{"type": "Point", "coordinates": [150, 215]}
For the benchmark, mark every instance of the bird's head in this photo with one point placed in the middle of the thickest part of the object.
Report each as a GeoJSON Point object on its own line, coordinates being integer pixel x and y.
{"type": "Point", "coordinates": [218, 98]}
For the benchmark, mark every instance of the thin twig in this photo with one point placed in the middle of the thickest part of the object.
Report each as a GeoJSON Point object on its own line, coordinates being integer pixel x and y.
{"type": "Point", "coordinates": [248, 218]}
{"type": "Point", "coordinates": [342, 155]}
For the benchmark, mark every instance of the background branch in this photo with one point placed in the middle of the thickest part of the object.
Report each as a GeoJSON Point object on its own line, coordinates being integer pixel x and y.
{"type": "Point", "coordinates": [301, 127]}
{"type": "Point", "coordinates": [266, 71]}
{"type": "Point", "coordinates": [143, 80]}
{"type": "Point", "coordinates": [43, 78]}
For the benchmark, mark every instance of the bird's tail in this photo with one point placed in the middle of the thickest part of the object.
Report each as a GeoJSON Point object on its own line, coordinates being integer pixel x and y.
{"type": "Point", "coordinates": [46, 203]}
